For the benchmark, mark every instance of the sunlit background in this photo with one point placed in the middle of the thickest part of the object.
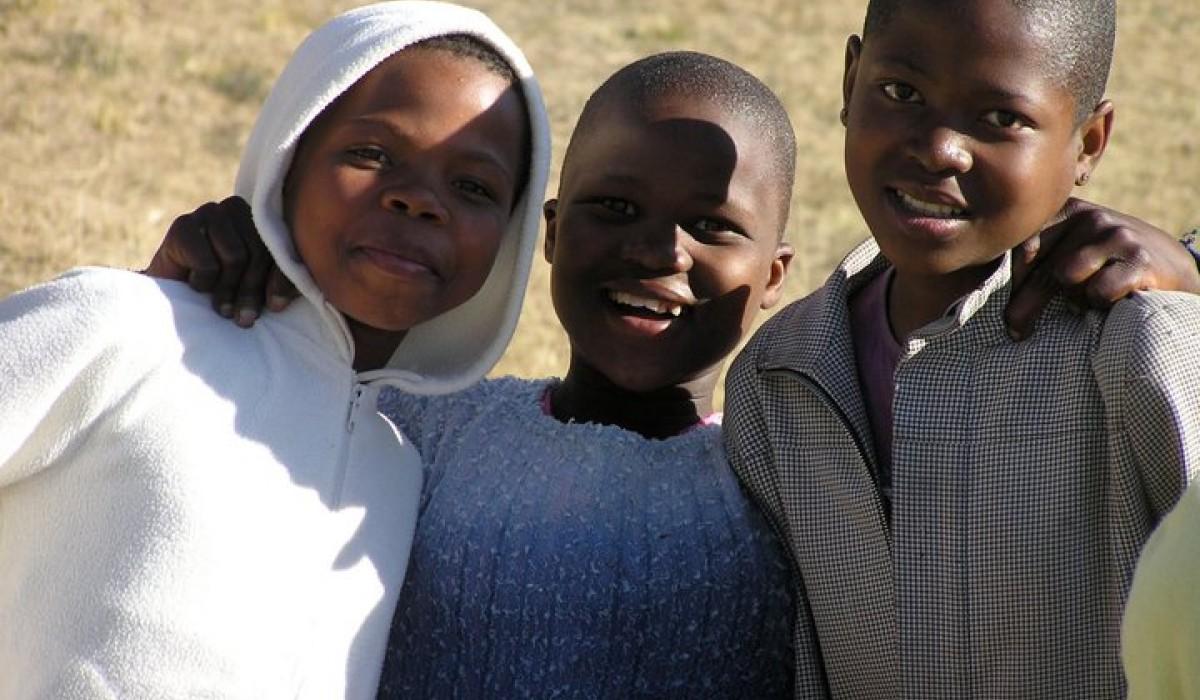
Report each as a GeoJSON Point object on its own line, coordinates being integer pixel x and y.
{"type": "Point", "coordinates": [118, 115]}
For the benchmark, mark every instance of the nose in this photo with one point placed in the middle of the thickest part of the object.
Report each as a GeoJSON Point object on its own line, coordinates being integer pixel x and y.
{"type": "Point", "coordinates": [659, 247]}
{"type": "Point", "coordinates": [415, 200]}
{"type": "Point", "coordinates": [941, 149]}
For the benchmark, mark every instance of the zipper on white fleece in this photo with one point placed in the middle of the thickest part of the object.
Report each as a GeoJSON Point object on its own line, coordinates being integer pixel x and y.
{"type": "Point", "coordinates": [351, 415]}
{"type": "Point", "coordinates": [343, 466]}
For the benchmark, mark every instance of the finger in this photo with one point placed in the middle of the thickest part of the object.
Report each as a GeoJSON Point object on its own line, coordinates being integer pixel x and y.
{"type": "Point", "coordinates": [1030, 248]}
{"type": "Point", "coordinates": [1028, 301]}
{"type": "Point", "coordinates": [280, 290]}
{"type": "Point", "coordinates": [1059, 227]}
{"type": "Point", "coordinates": [230, 249]}
{"type": "Point", "coordinates": [1032, 251]}
{"type": "Point", "coordinates": [1113, 283]}
{"type": "Point", "coordinates": [1073, 266]}
{"type": "Point", "coordinates": [1023, 258]}
{"type": "Point", "coordinates": [186, 248]}
{"type": "Point", "coordinates": [1081, 245]}
{"type": "Point", "coordinates": [251, 287]}
{"type": "Point", "coordinates": [162, 264]}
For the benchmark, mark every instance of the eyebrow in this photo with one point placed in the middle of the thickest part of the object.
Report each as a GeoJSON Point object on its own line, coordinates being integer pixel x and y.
{"type": "Point", "coordinates": [993, 92]}
{"type": "Point", "coordinates": [999, 93]}
{"type": "Point", "coordinates": [903, 63]}
{"type": "Point", "coordinates": [620, 179]}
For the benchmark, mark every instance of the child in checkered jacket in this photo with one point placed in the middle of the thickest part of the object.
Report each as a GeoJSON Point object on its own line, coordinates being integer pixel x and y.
{"type": "Point", "coordinates": [964, 512]}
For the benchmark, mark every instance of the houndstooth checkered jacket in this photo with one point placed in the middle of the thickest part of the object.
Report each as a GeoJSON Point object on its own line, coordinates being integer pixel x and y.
{"type": "Point", "coordinates": [1026, 478]}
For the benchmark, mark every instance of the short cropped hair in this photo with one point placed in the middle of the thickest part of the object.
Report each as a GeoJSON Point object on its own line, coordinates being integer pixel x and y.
{"type": "Point", "coordinates": [689, 74]}
{"type": "Point", "coordinates": [1082, 32]}
{"type": "Point", "coordinates": [467, 46]}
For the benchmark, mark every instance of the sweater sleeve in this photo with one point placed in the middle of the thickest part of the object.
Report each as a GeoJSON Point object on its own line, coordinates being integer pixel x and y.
{"type": "Point", "coordinates": [1149, 370]}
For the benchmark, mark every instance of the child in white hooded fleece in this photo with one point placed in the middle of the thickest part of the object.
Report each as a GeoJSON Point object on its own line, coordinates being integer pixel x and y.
{"type": "Point", "coordinates": [189, 509]}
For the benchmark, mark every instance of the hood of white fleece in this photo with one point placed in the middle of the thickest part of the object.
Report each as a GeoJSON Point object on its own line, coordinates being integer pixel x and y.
{"type": "Point", "coordinates": [458, 348]}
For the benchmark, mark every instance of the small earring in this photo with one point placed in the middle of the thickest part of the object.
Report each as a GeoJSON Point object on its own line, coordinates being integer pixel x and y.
{"type": "Point", "coordinates": [844, 115]}
{"type": "Point", "coordinates": [1082, 179]}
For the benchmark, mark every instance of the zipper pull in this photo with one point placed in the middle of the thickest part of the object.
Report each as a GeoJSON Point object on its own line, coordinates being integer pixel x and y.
{"type": "Point", "coordinates": [358, 392]}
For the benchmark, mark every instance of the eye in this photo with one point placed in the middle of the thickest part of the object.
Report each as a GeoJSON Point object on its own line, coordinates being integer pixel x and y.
{"type": "Point", "coordinates": [624, 207]}
{"type": "Point", "coordinates": [1004, 119]}
{"type": "Point", "coordinates": [711, 225]}
{"type": "Point", "coordinates": [475, 188]}
{"type": "Point", "coordinates": [901, 92]}
{"type": "Point", "coordinates": [370, 156]}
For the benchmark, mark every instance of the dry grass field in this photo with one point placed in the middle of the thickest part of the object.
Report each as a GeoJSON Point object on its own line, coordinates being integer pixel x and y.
{"type": "Point", "coordinates": [116, 115]}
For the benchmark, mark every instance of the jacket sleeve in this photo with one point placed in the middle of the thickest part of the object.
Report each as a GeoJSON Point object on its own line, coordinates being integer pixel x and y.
{"type": "Point", "coordinates": [1149, 371]}
{"type": "Point", "coordinates": [57, 364]}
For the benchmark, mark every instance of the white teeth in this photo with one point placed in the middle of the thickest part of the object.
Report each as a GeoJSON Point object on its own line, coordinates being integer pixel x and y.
{"type": "Point", "coordinates": [656, 305]}
{"type": "Point", "coordinates": [930, 208]}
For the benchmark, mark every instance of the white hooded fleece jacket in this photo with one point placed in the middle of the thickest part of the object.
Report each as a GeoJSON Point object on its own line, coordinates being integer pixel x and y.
{"type": "Point", "coordinates": [193, 510]}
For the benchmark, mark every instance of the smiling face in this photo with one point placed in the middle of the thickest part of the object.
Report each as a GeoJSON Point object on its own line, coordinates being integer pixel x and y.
{"type": "Point", "coordinates": [959, 144]}
{"type": "Point", "coordinates": [400, 192]}
{"type": "Point", "coordinates": [664, 242]}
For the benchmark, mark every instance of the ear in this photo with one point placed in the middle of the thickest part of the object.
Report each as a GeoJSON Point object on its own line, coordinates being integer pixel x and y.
{"type": "Point", "coordinates": [853, 52]}
{"type": "Point", "coordinates": [1093, 139]}
{"type": "Point", "coordinates": [550, 213]}
{"type": "Point", "coordinates": [779, 270]}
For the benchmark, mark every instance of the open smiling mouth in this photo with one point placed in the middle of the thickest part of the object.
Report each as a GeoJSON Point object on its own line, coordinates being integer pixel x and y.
{"type": "Point", "coordinates": [925, 209]}
{"type": "Point", "coordinates": [645, 307]}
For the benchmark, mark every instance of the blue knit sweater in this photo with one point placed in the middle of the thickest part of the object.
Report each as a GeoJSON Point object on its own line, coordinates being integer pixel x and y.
{"type": "Point", "coordinates": [580, 560]}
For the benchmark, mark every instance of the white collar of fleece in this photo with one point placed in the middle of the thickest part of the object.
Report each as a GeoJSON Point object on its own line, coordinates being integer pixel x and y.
{"type": "Point", "coordinates": [458, 348]}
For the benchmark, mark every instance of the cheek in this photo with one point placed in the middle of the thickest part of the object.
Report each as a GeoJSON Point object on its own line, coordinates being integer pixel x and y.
{"type": "Point", "coordinates": [311, 210]}
{"type": "Point", "coordinates": [1027, 186]}
{"type": "Point", "coordinates": [734, 288]}
{"type": "Point", "coordinates": [478, 246]}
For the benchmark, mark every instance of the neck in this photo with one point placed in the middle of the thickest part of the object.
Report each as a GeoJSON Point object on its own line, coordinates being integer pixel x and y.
{"type": "Point", "coordinates": [916, 300]}
{"type": "Point", "coordinates": [373, 347]}
{"type": "Point", "coordinates": [586, 396]}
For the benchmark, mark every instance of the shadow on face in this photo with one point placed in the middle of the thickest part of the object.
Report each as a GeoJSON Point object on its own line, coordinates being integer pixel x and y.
{"type": "Point", "coordinates": [664, 242]}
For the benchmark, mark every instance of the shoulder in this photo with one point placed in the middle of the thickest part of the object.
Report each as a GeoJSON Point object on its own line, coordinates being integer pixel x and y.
{"type": "Point", "coordinates": [97, 296]}
{"type": "Point", "coordinates": [482, 395]}
{"type": "Point", "coordinates": [87, 308]}
{"type": "Point", "coordinates": [1152, 332]}
{"type": "Point", "coordinates": [82, 288]}
{"type": "Point", "coordinates": [425, 418]}
{"type": "Point", "coordinates": [73, 347]}
{"type": "Point", "coordinates": [791, 329]}
{"type": "Point", "coordinates": [804, 330]}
